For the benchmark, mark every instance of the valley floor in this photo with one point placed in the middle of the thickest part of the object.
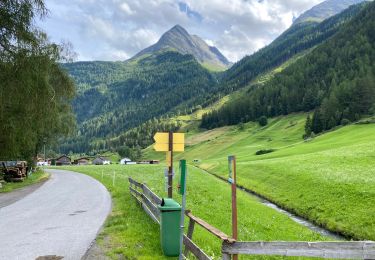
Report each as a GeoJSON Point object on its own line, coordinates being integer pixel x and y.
{"type": "Point", "coordinates": [329, 179]}
{"type": "Point", "coordinates": [130, 233]}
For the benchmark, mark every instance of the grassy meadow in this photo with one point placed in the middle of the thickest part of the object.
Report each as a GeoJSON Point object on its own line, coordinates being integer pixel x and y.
{"type": "Point", "coordinates": [129, 233]}
{"type": "Point", "coordinates": [329, 179]}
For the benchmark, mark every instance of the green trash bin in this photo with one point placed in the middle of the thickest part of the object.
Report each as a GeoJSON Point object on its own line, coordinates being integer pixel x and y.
{"type": "Point", "coordinates": [170, 214]}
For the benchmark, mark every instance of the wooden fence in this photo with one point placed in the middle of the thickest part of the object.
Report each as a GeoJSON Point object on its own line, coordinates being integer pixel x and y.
{"type": "Point", "coordinates": [334, 250]}
{"type": "Point", "coordinates": [149, 202]}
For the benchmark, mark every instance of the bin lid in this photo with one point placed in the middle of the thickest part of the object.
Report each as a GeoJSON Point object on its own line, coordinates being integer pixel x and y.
{"type": "Point", "coordinates": [169, 204]}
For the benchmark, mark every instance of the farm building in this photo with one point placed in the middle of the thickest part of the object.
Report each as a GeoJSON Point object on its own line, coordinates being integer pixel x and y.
{"type": "Point", "coordinates": [63, 160]}
{"type": "Point", "coordinates": [101, 161]}
{"type": "Point", "coordinates": [82, 161]}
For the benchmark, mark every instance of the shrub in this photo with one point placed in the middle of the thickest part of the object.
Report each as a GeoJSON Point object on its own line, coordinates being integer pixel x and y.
{"type": "Point", "coordinates": [265, 151]}
{"type": "Point", "coordinates": [345, 121]}
{"type": "Point", "coordinates": [263, 121]}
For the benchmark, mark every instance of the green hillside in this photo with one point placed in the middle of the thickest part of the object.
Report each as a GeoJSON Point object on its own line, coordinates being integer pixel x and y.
{"type": "Point", "coordinates": [115, 97]}
{"type": "Point", "coordinates": [296, 39]}
{"type": "Point", "coordinates": [337, 79]}
{"type": "Point", "coordinates": [328, 179]}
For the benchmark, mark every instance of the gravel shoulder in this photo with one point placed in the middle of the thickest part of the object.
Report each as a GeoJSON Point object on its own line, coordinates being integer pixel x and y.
{"type": "Point", "coordinates": [13, 196]}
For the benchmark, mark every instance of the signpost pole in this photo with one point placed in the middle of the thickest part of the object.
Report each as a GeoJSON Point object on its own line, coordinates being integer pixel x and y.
{"type": "Point", "coordinates": [183, 193]}
{"type": "Point", "coordinates": [170, 170]}
{"type": "Point", "coordinates": [232, 180]}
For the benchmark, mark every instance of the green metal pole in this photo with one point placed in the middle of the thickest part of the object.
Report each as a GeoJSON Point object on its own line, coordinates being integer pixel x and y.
{"type": "Point", "coordinates": [183, 193]}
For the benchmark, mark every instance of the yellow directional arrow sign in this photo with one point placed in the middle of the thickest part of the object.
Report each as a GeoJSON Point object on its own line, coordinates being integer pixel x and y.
{"type": "Point", "coordinates": [162, 142]}
{"type": "Point", "coordinates": [163, 138]}
{"type": "Point", "coordinates": [165, 147]}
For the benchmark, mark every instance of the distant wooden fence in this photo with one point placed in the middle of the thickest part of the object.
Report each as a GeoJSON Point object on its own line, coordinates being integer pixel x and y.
{"type": "Point", "coordinates": [333, 250]}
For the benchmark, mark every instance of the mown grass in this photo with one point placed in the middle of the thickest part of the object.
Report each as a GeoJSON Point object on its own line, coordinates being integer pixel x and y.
{"type": "Point", "coordinates": [329, 180]}
{"type": "Point", "coordinates": [131, 234]}
{"type": "Point", "coordinates": [36, 177]}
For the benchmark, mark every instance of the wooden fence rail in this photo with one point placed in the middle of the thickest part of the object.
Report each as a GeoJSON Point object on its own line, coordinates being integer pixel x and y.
{"type": "Point", "coordinates": [336, 250]}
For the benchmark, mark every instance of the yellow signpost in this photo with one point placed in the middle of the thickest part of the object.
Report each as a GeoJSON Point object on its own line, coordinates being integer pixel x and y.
{"type": "Point", "coordinates": [169, 142]}
{"type": "Point", "coordinates": [162, 142]}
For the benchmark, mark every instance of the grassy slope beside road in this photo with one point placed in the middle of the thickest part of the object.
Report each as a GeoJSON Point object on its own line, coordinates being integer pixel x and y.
{"type": "Point", "coordinates": [329, 180]}
{"type": "Point", "coordinates": [130, 233]}
{"type": "Point", "coordinates": [36, 177]}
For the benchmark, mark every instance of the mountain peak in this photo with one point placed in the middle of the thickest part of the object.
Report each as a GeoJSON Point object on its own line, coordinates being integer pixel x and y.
{"type": "Point", "coordinates": [178, 39]}
{"type": "Point", "coordinates": [325, 10]}
{"type": "Point", "coordinates": [178, 28]}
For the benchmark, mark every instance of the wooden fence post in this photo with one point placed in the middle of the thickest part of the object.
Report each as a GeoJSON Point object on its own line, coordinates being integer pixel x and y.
{"type": "Point", "coordinates": [232, 179]}
{"type": "Point", "coordinates": [189, 234]}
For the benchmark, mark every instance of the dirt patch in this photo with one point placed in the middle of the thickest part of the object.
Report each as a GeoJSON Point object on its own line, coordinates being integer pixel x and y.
{"type": "Point", "coordinates": [95, 252]}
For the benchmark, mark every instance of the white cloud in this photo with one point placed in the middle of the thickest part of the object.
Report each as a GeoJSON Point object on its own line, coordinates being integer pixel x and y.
{"type": "Point", "coordinates": [125, 7]}
{"type": "Point", "coordinates": [118, 29]}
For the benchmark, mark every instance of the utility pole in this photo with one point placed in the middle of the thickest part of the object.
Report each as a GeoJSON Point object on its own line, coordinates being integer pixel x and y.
{"type": "Point", "coordinates": [44, 148]}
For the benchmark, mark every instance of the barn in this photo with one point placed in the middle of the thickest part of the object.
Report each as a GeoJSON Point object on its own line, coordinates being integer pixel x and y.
{"type": "Point", "coordinates": [83, 161]}
{"type": "Point", "coordinates": [101, 160]}
{"type": "Point", "coordinates": [63, 160]}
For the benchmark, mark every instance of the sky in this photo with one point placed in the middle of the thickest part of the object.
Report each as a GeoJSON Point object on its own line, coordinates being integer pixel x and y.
{"type": "Point", "coordinates": [112, 30]}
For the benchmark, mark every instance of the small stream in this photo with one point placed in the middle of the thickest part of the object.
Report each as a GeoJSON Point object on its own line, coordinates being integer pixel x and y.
{"type": "Point", "coordinates": [292, 216]}
{"type": "Point", "coordinates": [298, 219]}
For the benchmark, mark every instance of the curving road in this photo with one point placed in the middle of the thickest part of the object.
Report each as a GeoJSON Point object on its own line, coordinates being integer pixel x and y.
{"type": "Point", "coordinates": [61, 218]}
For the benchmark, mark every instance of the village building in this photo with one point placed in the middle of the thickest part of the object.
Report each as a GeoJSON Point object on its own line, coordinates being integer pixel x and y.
{"type": "Point", "coordinates": [63, 160]}
{"type": "Point", "coordinates": [125, 161]}
{"type": "Point", "coordinates": [82, 161]}
{"type": "Point", "coordinates": [101, 161]}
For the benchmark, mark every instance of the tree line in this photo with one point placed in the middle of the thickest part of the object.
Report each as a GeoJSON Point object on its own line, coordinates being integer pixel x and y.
{"type": "Point", "coordinates": [35, 93]}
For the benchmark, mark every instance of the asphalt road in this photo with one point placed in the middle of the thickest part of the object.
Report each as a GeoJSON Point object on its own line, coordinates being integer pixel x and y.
{"type": "Point", "coordinates": [60, 218]}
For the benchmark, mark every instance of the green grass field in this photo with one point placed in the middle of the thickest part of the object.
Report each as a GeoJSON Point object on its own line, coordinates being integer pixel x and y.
{"type": "Point", "coordinates": [129, 233]}
{"type": "Point", "coordinates": [329, 180]}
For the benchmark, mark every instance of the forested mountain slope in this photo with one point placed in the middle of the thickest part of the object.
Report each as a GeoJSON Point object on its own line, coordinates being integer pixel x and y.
{"type": "Point", "coordinates": [114, 97]}
{"type": "Point", "coordinates": [297, 38]}
{"type": "Point", "coordinates": [337, 79]}
{"type": "Point", "coordinates": [124, 95]}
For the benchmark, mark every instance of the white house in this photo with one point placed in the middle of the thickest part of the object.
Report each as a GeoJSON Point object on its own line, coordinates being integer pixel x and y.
{"type": "Point", "coordinates": [125, 161]}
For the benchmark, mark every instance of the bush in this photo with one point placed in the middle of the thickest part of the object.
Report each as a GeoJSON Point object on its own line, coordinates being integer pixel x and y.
{"type": "Point", "coordinates": [263, 121]}
{"type": "Point", "coordinates": [345, 121]}
{"type": "Point", "coordinates": [265, 151]}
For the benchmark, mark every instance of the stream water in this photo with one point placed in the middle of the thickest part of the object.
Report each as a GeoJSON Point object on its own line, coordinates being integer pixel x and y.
{"type": "Point", "coordinates": [292, 216]}
{"type": "Point", "coordinates": [298, 219]}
